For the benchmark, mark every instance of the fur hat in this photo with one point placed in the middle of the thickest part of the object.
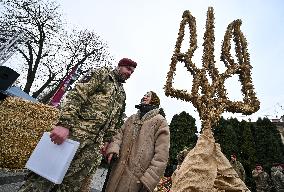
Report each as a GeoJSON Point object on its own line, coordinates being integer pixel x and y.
{"type": "Point", "coordinates": [127, 62]}
{"type": "Point", "coordinates": [155, 100]}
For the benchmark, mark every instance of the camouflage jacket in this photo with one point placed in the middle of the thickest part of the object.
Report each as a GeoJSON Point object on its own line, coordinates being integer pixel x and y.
{"type": "Point", "coordinates": [277, 178]}
{"type": "Point", "coordinates": [262, 180]}
{"type": "Point", "coordinates": [93, 108]}
{"type": "Point", "coordinates": [239, 169]}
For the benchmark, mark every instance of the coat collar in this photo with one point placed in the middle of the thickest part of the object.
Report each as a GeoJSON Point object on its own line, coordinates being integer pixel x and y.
{"type": "Point", "coordinates": [139, 122]}
{"type": "Point", "coordinates": [147, 116]}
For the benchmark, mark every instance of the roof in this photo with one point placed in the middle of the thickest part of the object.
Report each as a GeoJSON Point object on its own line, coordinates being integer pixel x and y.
{"type": "Point", "coordinates": [17, 92]}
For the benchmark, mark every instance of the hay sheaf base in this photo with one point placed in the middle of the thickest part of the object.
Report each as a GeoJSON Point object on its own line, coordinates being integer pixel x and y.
{"type": "Point", "coordinates": [205, 169]}
{"type": "Point", "coordinates": [22, 124]}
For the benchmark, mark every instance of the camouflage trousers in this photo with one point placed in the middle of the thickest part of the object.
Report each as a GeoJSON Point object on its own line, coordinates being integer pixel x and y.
{"type": "Point", "coordinates": [78, 177]}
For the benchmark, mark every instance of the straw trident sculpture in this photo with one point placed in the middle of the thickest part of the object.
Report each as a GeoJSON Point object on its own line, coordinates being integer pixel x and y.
{"type": "Point", "coordinates": [213, 100]}
{"type": "Point", "coordinates": [206, 168]}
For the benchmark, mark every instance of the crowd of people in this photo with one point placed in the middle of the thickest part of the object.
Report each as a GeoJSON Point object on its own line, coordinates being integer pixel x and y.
{"type": "Point", "coordinates": [263, 182]}
{"type": "Point", "coordinates": [266, 183]}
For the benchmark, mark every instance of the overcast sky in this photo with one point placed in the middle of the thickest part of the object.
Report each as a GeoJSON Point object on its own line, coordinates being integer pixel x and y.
{"type": "Point", "coordinates": [146, 31]}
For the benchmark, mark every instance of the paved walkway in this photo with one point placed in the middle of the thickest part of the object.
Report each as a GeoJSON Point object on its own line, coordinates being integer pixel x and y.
{"type": "Point", "coordinates": [11, 181]}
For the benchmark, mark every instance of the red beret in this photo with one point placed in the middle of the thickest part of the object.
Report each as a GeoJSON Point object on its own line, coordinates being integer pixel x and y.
{"type": "Point", "coordinates": [127, 62]}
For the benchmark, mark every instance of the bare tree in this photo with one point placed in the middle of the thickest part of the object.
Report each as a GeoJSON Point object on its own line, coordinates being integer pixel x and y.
{"type": "Point", "coordinates": [41, 22]}
{"type": "Point", "coordinates": [48, 51]}
{"type": "Point", "coordinates": [81, 48]}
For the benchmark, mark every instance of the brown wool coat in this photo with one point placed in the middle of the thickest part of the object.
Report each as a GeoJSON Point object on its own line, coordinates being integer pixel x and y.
{"type": "Point", "coordinates": [142, 159]}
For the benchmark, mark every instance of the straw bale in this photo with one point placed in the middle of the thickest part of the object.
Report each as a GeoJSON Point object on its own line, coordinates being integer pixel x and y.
{"type": "Point", "coordinates": [22, 124]}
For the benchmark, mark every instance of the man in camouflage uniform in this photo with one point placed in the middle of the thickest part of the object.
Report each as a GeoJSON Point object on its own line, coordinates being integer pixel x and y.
{"type": "Point", "coordinates": [89, 115]}
{"type": "Point", "coordinates": [238, 167]}
{"type": "Point", "coordinates": [277, 177]}
{"type": "Point", "coordinates": [261, 179]}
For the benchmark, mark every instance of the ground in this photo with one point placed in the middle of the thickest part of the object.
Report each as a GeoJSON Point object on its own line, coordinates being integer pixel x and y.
{"type": "Point", "coordinates": [11, 181]}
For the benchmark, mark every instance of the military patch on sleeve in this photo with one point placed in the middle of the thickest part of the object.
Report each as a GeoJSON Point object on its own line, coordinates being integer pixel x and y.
{"type": "Point", "coordinates": [87, 77]}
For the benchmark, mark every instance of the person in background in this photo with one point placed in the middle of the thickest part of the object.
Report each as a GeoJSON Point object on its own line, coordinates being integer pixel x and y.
{"type": "Point", "coordinates": [261, 179]}
{"type": "Point", "coordinates": [90, 115]}
{"type": "Point", "coordinates": [277, 177]}
{"type": "Point", "coordinates": [142, 147]}
{"type": "Point", "coordinates": [238, 167]}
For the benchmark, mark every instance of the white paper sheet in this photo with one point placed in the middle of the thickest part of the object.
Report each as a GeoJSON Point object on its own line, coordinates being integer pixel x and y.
{"type": "Point", "coordinates": [50, 160]}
